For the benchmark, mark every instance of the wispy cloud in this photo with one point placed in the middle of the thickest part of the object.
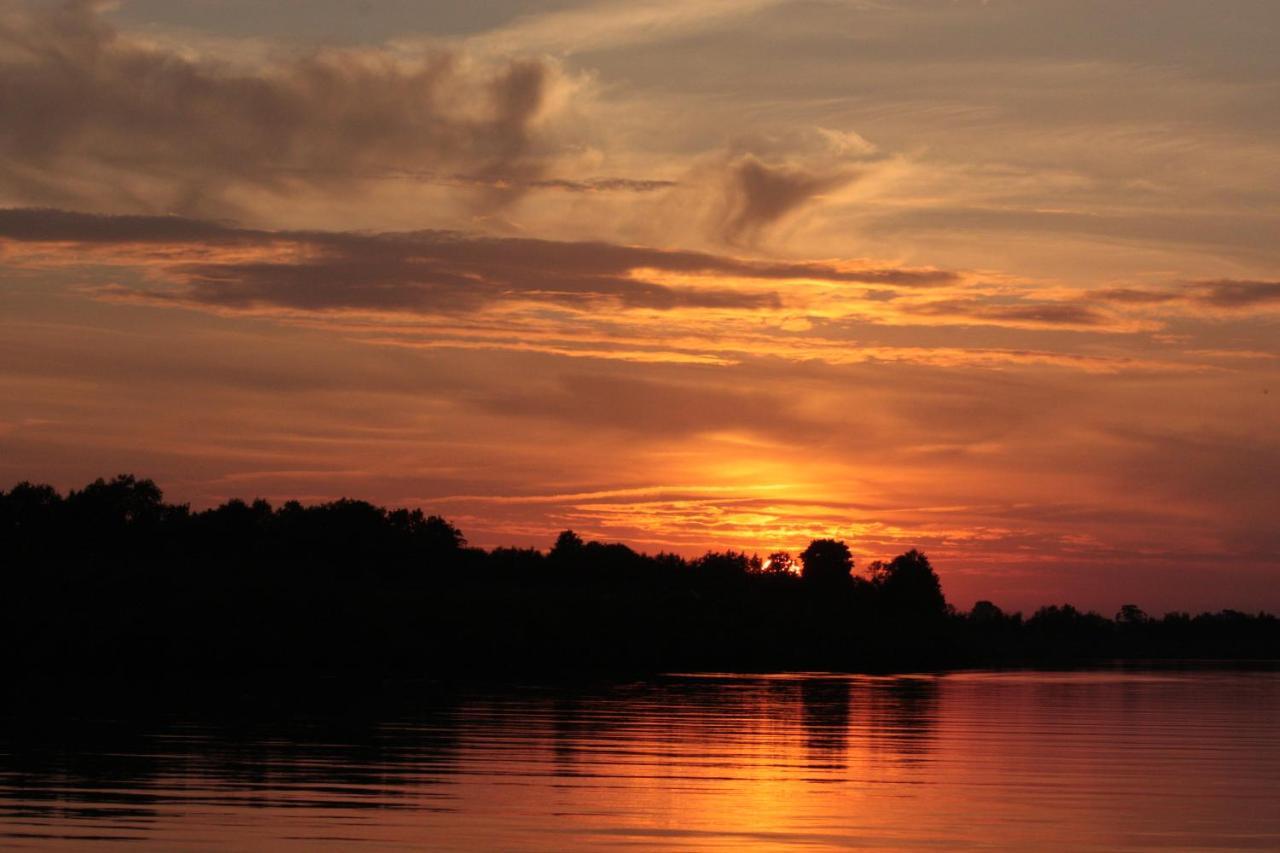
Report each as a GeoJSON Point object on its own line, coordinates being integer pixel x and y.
{"type": "Point", "coordinates": [422, 272]}
{"type": "Point", "coordinates": [445, 290]}
{"type": "Point", "coordinates": [760, 195]}
{"type": "Point", "coordinates": [1226, 293]}
{"type": "Point", "coordinates": [1031, 313]}
{"type": "Point", "coordinates": [125, 123]}
{"type": "Point", "coordinates": [610, 24]}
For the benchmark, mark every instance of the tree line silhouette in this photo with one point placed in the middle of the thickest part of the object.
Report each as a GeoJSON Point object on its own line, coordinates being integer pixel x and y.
{"type": "Point", "coordinates": [111, 579]}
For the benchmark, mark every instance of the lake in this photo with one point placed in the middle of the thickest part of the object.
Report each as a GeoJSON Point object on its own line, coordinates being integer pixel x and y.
{"type": "Point", "coordinates": [1117, 759]}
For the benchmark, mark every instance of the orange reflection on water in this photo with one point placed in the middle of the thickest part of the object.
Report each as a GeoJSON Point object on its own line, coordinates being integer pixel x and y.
{"type": "Point", "coordinates": [1086, 761]}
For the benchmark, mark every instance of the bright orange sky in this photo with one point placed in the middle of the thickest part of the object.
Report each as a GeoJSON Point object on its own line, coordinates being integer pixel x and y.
{"type": "Point", "coordinates": [998, 280]}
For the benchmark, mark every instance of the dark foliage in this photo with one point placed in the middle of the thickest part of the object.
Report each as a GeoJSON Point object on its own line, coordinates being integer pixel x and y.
{"type": "Point", "coordinates": [907, 584]}
{"type": "Point", "coordinates": [827, 562]}
{"type": "Point", "coordinates": [111, 579]}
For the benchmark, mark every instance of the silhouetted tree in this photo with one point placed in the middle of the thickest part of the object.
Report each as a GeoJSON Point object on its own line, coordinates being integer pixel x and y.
{"type": "Point", "coordinates": [826, 561]}
{"type": "Point", "coordinates": [780, 563]}
{"type": "Point", "coordinates": [28, 511]}
{"type": "Point", "coordinates": [110, 577]}
{"type": "Point", "coordinates": [612, 558]}
{"type": "Point", "coordinates": [985, 612]}
{"type": "Point", "coordinates": [909, 583]}
{"type": "Point", "coordinates": [1131, 614]}
{"type": "Point", "coordinates": [721, 566]}
{"type": "Point", "coordinates": [568, 545]}
{"type": "Point", "coordinates": [26, 504]}
{"type": "Point", "coordinates": [1065, 632]}
{"type": "Point", "coordinates": [122, 500]}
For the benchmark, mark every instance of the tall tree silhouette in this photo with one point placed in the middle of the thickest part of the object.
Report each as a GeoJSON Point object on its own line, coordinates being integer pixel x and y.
{"type": "Point", "coordinates": [908, 583]}
{"type": "Point", "coordinates": [826, 561]}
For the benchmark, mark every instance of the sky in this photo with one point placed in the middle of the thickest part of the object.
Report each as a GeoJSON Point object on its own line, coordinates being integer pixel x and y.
{"type": "Point", "coordinates": [998, 280]}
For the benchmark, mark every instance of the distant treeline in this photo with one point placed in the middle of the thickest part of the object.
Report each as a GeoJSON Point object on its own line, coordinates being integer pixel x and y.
{"type": "Point", "coordinates": [111, 579]}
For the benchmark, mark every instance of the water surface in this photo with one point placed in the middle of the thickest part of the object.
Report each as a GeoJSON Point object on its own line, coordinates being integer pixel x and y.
{"type": "Point", "coordinates": [1121, 759]}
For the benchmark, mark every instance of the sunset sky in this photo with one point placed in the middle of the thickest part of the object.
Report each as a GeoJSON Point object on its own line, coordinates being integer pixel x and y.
{"type": "Point", "coordinates": [996, 279]}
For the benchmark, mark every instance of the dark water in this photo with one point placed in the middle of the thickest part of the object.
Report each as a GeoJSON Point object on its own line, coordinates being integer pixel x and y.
{"type": "Point", "coordinates": [1116, 760]}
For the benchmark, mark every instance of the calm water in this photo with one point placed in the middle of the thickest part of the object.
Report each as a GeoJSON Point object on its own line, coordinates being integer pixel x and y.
{"type": "Point", "coordinates": [1101, 760]}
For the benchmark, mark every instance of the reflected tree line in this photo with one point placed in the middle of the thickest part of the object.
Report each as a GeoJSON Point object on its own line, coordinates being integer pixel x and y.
{"type": "Point", "coordinates": [112, 579]}
{"type": "Point", "coordinates": [407, 747]}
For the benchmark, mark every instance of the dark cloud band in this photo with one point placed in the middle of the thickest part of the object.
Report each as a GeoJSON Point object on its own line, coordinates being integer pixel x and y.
{"type": "Point", "coordinates": [430, 271]}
